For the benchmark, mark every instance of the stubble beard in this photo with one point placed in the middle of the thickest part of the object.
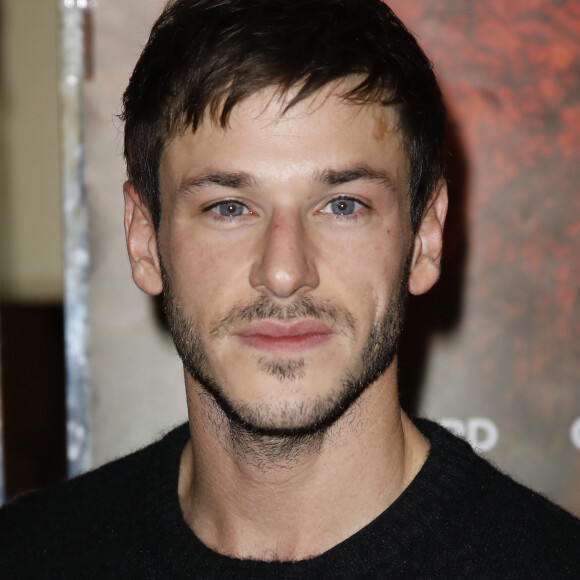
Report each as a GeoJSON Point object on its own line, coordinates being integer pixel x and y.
{"type": "Point", "coordinates": [259, 432]}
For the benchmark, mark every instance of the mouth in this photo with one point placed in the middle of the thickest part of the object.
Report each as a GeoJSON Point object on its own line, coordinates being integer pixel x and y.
{"type": "Point", "coordinates": [289, 337]}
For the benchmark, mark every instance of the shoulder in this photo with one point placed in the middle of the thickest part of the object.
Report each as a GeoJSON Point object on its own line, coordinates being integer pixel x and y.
{"type": "Point", "coordinates": [486, 511]}
{"type": "Point", "coordinates": [98, 513]}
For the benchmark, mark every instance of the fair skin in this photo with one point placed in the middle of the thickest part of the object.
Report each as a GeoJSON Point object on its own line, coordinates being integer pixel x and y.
{"type": "Point", "coordinates": [308, 204]}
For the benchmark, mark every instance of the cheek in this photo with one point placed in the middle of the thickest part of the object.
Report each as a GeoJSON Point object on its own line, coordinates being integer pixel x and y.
{"type": "Point", "coordinates": [206, 273]}
{"type": "Point", "coordinates": [366, 257]}
{"type": "Point", "coordinates": [364, 274]}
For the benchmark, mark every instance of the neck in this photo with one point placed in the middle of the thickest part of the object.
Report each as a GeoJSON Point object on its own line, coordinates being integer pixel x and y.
{"type": "Point", "coordinates": [296, 498]}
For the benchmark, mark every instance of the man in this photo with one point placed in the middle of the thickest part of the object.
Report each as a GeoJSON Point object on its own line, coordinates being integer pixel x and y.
{"type": "Point", "coordinates": [286, 190]}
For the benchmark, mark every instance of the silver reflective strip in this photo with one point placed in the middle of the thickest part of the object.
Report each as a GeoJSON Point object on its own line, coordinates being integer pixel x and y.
{"type": "Point", "coordinates": [76, 251]}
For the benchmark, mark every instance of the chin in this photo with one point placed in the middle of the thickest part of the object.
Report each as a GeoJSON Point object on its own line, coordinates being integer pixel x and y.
{"type": "Point", "coordinates": [280, 407]}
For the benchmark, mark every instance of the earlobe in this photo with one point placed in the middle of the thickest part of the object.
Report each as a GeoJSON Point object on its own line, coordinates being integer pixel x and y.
{"type": "Point", "coordinates": [428, 245]}
{"type": "Point", "coordinates": [141, 240]}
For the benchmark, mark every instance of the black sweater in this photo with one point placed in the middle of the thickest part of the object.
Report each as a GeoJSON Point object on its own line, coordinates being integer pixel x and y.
{"type": "Point", "coordinates": [459, 518]}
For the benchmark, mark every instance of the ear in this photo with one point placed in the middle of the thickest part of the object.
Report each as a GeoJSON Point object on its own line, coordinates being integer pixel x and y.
{"type": "Point", "coordinates": [426, 261]}
{"type": "Point", "coordinates": [141, 240]}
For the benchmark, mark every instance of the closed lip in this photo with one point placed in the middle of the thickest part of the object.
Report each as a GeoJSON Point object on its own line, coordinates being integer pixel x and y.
{"type": "Point", "coordinates": [285, 336]}
{"type": "Point", "coordinates": [285, 329]}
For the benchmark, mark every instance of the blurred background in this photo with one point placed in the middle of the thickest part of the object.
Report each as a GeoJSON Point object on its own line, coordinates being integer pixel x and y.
{"type": "Point", "coordinates": [31, 267]}
{"type": "Point", "coordinates": [493, 352]}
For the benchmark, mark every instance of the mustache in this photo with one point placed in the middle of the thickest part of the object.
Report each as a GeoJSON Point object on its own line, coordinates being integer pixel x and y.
{"type": "Point", "coordinates": [264, 308]}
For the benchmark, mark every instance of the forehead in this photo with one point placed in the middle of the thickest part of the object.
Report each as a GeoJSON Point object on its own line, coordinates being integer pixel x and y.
{"type": "Point", "coordinates": [271, 140]}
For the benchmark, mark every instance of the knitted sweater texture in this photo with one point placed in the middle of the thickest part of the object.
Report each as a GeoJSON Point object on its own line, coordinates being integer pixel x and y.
{"type": "Point", "coordinates": [459, 518]}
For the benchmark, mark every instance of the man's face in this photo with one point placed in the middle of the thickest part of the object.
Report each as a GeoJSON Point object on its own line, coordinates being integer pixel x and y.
{"type": "Point", "coordinates": [284, 243]}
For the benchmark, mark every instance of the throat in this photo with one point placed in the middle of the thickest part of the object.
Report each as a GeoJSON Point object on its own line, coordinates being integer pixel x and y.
{"type": "Point", "coordinates": [293, 497]}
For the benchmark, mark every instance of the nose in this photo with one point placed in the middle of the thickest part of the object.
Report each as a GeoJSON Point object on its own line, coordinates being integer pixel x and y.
{"type": "Point", "coordinates": [285, 260]}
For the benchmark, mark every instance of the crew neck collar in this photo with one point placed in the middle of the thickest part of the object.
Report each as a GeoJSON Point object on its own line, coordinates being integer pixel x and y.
{"type": "Point", "coordinates": [388, 536]}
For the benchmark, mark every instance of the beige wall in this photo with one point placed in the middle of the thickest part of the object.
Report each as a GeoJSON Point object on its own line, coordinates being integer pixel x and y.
{"type": "Point", "coordinates": [30, 201]}
{"type": "Point", "coordinates": [137, 387]}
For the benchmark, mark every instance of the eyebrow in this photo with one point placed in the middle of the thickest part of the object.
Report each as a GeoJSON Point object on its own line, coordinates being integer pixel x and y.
{"type": "Point", "coordinates": [233, 180]}
{"type": "Point", "coordinates": [328, 176]}
{"type": "Point", "coordinates": [358, 172]}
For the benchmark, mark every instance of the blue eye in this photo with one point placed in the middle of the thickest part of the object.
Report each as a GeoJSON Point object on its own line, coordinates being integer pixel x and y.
{"type": "Point", "coordinates": [342, 206]}
{"type": "Point", "coordinates": [229, 209]}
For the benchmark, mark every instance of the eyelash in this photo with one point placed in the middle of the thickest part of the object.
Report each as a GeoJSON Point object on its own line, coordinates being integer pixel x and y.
{"type": "Point", "coordinates": [223, 218]}
{"type": "Point", "coordinates": [350, 217]}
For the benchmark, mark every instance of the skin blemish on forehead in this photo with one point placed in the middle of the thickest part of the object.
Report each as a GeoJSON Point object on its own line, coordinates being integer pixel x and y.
{"type": "Point", "coordinates": [380, 127]}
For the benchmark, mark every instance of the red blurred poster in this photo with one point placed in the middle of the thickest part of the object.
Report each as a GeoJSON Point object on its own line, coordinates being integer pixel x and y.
{"type": "Point", "coordinates": [501, 359]}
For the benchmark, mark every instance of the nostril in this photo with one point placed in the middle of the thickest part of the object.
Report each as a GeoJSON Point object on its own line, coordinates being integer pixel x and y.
{"type": "Point", "coordinates": [283, 274]}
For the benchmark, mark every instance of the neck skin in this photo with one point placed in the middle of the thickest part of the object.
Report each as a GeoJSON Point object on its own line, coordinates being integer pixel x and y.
{"type": "Point", "coordinates": [301, 508]}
